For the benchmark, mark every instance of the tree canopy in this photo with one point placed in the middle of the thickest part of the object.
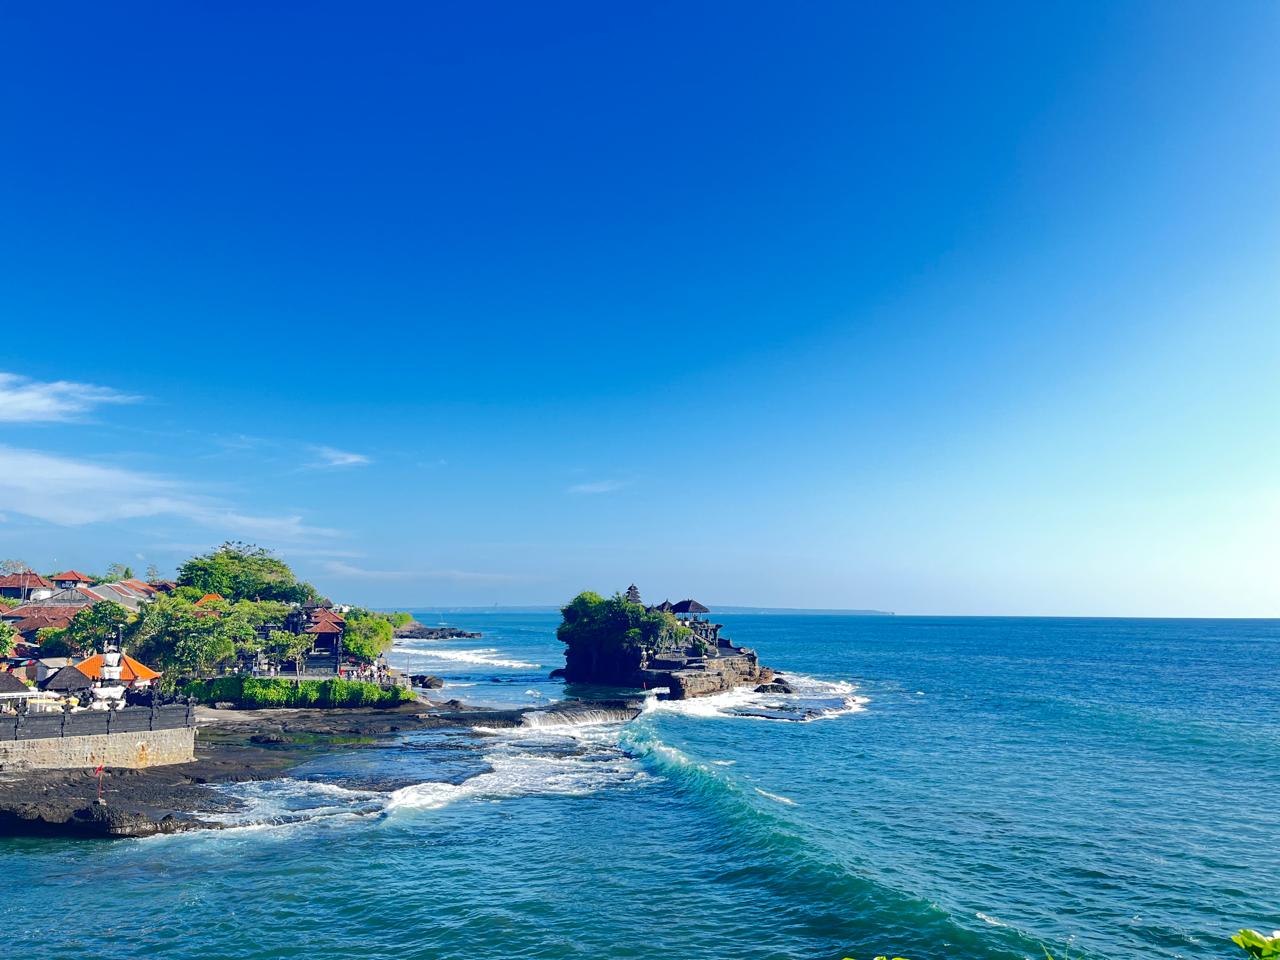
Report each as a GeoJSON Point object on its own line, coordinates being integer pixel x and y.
{"type": "Point", "coordinates": [94, 627]}
{"type": "Point", "coordinates": [242, 571]}
{"type": "Point", "coordinates": [367, 635]}
{"type": "Point", "coordinates": [607, 640]}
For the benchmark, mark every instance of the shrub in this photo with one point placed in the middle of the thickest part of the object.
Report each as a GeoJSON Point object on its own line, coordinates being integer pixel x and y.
{"type": "Point", "coordinates": [273, 693]}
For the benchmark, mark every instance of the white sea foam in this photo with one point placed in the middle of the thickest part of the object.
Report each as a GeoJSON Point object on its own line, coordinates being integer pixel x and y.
{"type": "Point", "coordinates": [484, 656]}
{"type": "Point", "coordinates": [776, 796]}
{"type": "Point", "coordinates": [570, 761]}
{"type": "Point", "coordinates": [578, 717]}
{"type": "Point", "coordinates": [812, 699]}
{"type": "Point", "coordinates": [274, 803]}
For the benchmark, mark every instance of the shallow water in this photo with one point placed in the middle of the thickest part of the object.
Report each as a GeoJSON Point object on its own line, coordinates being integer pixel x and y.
{"type": "Point", "coordinates": [956, 788]}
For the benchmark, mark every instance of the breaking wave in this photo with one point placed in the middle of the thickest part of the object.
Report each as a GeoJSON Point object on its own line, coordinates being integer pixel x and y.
{"type": "Point", "coordinates": [483, 656]}
{"type": "Point", "coordinates": [527, 761]}
{"type": "Point", "coordinates": [811, 699]}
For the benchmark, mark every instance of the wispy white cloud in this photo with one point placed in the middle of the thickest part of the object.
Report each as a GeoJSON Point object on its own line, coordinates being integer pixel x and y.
{"type": "Point", "coordinates": [340, 569]}
{"type": "Point", "coordinates": [331, 457]}
{"type": "Point", "coordinates": [71, 492]}
{"type": "Point", "coordinates": [23, 400]}
{"type": "Point", "coordinates": [598, 486]}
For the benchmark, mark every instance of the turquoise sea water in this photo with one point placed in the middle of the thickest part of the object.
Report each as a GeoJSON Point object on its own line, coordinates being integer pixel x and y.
{"type": "Point", "coordinates": [961, 788]}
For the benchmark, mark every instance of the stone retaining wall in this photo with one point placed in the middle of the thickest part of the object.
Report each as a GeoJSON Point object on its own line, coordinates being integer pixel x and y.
{"type": "Point", "coordinates": [147, 748]}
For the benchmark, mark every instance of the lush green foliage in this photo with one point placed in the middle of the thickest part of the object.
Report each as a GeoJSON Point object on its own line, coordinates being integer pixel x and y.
{"type": "Point", "coordinates": [94, 627]}
{"type": "Point", "coordinates": [275, 693]}
{"type": "Point", "coordinates": [241, 571]}
{"type": "Point", "coordinates": [8, 603]}
{"type": "Point", "coordinates": [368, 635]}
{"type": "Point", "coordinates": [53, 642]}
{"type": "Point", "coordinates": [174, 634]}
{"type": "Point", "coordinates": [8, 638]}
{"type": "Point", "coordinates": [1258, 946]}
{"type": "Point", "coordinates": [399, 619]}
{"type": "Point", "coordinates": [282, 645]}
{"type": "Point", "coordinates": [114, 572]}
{"type": "Point", "coordinates": [592, 622]}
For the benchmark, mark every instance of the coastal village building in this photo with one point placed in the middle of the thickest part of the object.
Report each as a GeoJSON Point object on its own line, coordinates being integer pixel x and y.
{"type": "Point", "coordinates": [71, 579]}
{"type": "Point", "coordinates": [118, 667]}
{"type": "Point", "coordinates": [27, 585]}
{"type": "Point", "coordinates": [14, 693]}
{"type": "Point", "coordinates": [67, 682]}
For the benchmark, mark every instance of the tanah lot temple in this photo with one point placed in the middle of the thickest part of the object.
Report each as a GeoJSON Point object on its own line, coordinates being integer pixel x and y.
{"type": "Point", "coordinates": [705, 663]}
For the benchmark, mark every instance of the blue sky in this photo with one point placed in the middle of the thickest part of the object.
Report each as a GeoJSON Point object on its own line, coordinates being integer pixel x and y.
{"type": "Point", "coordinates": [922, 307]}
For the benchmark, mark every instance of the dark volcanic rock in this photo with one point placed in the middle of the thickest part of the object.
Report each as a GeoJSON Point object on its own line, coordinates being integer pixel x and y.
{"type": "Point", "coordinates": [775, 687]}
{"type": "Point", "coordinates": [426, 681]}
{"type": "Point", "coordinates": [416, 631]}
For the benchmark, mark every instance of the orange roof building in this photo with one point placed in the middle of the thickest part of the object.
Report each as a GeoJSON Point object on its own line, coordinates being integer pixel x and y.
{"type": "Point", "coordinates": [208, 597]}
{"type": "Point", "coordinates": [74, 576]}
{"type": "Point", "coordinates": [131, 671]}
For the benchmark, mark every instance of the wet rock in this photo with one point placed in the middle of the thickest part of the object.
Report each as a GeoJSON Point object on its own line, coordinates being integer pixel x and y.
{"type": "Point", "coordinates": [775, 687]}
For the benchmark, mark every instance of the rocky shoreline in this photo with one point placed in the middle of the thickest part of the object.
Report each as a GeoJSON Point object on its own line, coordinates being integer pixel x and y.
{"type": "Point", "coordinates": [234, 746]}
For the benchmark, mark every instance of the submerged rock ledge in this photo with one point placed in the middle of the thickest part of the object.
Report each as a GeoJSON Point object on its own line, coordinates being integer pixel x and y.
{"type": "Point", "coordinates": [235, 746]}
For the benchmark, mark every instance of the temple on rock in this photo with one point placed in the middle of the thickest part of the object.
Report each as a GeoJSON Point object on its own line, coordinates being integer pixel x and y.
{"type": "Point", "coordinates": [705, 663]}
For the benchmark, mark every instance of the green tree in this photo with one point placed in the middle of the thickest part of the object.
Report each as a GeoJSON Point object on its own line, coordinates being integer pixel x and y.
{"type": "Point", "coordinates": [607, 640]}
{"type": "Point", "coordinates": [94, 627]}
{"type": "Point", "coordinates": [53, 642]}
{"type": "Point", "coordinates": [8, 638]}
{"type": "Point", "coordinates": [114, 572]}
{"type": "Point", "coordinates": [13, 565]}
{"type": "Point", "coordinates": [242, 571]}
{"type": "Point", "coordinates": [153, 573]}
{"type": "Point", "coordinates": [173, 633]}
{"type": "Point", "coordinates": [282, 645]}
{"type": "Point", "coordinates": [367, 636]}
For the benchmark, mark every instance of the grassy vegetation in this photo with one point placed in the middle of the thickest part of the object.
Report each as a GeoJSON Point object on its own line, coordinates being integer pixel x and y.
{"type": "Point", "coordinates": [276, 693]}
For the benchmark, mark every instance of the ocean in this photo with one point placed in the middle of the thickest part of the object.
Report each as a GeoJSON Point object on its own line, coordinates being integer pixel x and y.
{"type": "Point", "coordinates": [937, 787]}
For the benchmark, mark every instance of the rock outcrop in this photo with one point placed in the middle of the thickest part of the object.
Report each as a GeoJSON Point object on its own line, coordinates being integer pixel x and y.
{"type": "Point", "coordinates": [700, 676]}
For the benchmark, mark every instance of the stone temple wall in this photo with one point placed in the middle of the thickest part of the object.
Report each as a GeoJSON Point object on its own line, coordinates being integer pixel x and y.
{"type": "Point", "coordinates": [147, 748]}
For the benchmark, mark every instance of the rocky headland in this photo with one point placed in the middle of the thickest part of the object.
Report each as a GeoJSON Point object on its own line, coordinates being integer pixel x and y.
{"type": "Point", "coordinates": [617, 641]}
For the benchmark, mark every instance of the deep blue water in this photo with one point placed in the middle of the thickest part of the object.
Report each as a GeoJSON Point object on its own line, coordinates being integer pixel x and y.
{"type": "Point", "coordinates": [974, 788]}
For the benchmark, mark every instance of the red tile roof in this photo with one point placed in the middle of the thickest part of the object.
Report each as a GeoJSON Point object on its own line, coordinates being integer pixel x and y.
{"type": "Point", "coordinates": [26, 581]}
{"type": "Point", "coordinates": [324, 626]}
{"type": "Point", "coordinates": [207, 597]}
{"type": "Point", "coordinates": [43, 609]}
{"type": "Point", "coordinates": [73, 575]}
{"type": "Point", "coordinates": [29, 625]}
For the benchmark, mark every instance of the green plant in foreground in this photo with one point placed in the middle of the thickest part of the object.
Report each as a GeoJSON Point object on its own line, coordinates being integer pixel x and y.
{"type": "Point", "coordinates": [1253, 943]}
{"type": "Point", "coordinates": [1257, 946]}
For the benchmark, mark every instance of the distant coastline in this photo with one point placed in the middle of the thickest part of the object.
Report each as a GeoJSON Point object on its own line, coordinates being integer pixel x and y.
{"type": "Point", "coordinates": [720, 607]}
